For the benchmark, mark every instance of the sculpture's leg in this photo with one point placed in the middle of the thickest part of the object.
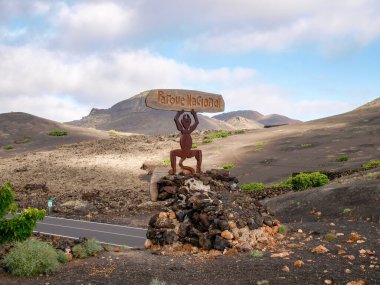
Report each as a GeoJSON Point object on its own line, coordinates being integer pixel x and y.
{"type": "Point", "coordinates": [173, 160]}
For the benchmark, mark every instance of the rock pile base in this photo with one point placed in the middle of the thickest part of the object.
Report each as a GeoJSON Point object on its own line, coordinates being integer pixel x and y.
{"type": "Point", "coordinates": [209, 211]}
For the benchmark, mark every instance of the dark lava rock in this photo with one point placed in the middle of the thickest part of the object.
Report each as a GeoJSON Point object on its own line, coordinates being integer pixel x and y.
{"type": "Point", "coordinates": [201, 215]}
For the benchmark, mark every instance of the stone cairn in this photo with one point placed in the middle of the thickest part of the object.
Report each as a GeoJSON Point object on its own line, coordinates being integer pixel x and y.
{"type": "Point", "coordinates": [209, 211]}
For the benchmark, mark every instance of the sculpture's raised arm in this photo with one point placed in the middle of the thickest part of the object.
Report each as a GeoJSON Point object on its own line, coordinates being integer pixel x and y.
{"type": "Point", "coordinates": [176, 120]}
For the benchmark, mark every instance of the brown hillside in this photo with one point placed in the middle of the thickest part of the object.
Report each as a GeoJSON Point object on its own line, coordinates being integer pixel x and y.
{"type": "Point", "coordinates": [26, 133]}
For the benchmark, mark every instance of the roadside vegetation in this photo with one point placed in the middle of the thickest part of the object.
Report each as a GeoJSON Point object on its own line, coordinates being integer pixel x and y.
{"type": "Point", "coordinates": [57, 133]}
{"type": "Point", "coordinates": [342, 158]}
{"type": "Point", "coordinates": [228, 166]}
{"type": "Point", "coordinates": [371, 164]}
{"type": "Point", "coordinates": [252, 186]}
{"type": "Point", "coordinates": [89, 247]}
{"type": "Point", "coordinates": [222, 134]}
{"type": "Point", "coordinates": [300, 182]}
{"type": "Point", "coordinates": [8, 147]}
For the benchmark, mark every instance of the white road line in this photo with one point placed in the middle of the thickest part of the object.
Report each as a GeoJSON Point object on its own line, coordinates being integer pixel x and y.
{"type": "Point", "coordinates": [50, 234]}
{"type": "Point", "coordinates": [40, 223]}
{"type": "Point", "coordinates": [121, 226]}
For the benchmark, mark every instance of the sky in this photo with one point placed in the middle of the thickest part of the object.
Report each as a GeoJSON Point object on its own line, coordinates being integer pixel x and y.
{"type": "Point", "coordinates": [305, 59]}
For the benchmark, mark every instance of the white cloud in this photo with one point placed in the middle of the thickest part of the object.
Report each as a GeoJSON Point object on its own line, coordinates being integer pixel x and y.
{"type": "Point", "coordinates": [98, 80]}
{"type": "Point", "coordinates": [326, 23]}
{"type": "Point", "coordinates": [96, 23]}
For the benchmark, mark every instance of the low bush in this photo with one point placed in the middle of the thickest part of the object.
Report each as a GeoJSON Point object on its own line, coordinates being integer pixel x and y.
{"type": "Point", "coordinates": [228, 166]}
{"type": "Point", "coordinates": [206, 140]}
{"type": "Point", "coordinates": [8, 147]}
{"type": "Point", "coordinates": [79, 251]}
{"type": "Point", "coordinates": [217, 135]}
{"type": "Point", "coordinates": [238, 132]}
{"type": "Point", "coordinates": [257, 253]}
{"type": "Point", "coordinates": [283, 230]}
{"type": "Point", "coordinates": [165, 162]}
{"type": "Point", "coordinates": [156, 281]}
{"type": "Point", "coordinates": [342, 158]}
{"type": "Point", "coordinates": [304, 181]}
{"type": "Point", "coordinates": [252, 186]}
{"type": "Point", "coordinates": [194, 145]}
{"type": "Point", "coordinates": [371, 164]}
{"type": "Point", "coordinates": [90, 247]}
{"type": "Point", "coordinates": [61, 256]}
{"type": "Point", "coordinates": [287, 184]}
{"type": "Point", "coordinates": [57, 133]}
{"type": "Point", "coordinates": [306, 145]}
{"type": "Point", "coordinates": [31, 257]}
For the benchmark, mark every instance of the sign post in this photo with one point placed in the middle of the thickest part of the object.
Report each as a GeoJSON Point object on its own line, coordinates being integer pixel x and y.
{"type": "Point", "coordinates": [50, 205]}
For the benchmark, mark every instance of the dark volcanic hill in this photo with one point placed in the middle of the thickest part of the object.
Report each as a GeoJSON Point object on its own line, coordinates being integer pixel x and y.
{"type": "Point", "coordinates": [267, 120]}
{"type": "Point", "coordinates": [133, 116]}
{"type": "Point", "coordinates": [26, 132]}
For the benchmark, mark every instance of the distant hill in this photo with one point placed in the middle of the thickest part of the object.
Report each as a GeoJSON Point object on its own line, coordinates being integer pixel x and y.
{"type": "Point", "coordinates": [27, 132]}
{"type": "Point", "coordinates": [133, 116]}
{"type": "Point", "coordinates": [244, 123]}
{"type": "Point", "coordinates": [273, 119]}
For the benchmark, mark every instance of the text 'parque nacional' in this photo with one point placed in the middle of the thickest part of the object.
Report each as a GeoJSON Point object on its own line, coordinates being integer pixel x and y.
{"type": "Point", "coordinates": [177, 99]}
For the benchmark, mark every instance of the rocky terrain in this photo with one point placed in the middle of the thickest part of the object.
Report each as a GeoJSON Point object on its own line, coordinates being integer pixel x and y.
{"type": "Point", "coordinates": [331, 235]}
{"type": "Point", "coordinates": [208, 211]}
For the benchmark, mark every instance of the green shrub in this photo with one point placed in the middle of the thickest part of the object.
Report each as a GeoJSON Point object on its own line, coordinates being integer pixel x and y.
{"type": "Point", "coordinates": [257, 253]}
{"type": "Point", "coordinates": [92, 247]}
{"type": "Point", "coordinates": [371, 164]}
{"type": "Point", "coordinates": [165, 162]}
{"type": "Point", "coordinates": [89, 247]}
{"type": "Point", "coordinates": [57, 133]}
{"type": "Point", "coordinates": [228, 166]}
{"type": "Point", "coordinates": [156, 281]}
{"type": "Point", "coordinates": [61, 256]}
{"type": "Point", "coordinates": [7, 197]}
{"type": "Point", "coordinates": [238, 132]}
{"type": "Point", "coordinates": [79, 251]}
{"type": "Point", "coordinates": [304, 181]}
{"type": "Point", "coordinates": [283, 230]}
{"type": "Point", "coordinates": [19, 227]}
{"type": "Point", "coordinates": [287, 184]}
{"type": "Point", "coordinates": [194, 145]}
{"type": "Point", "coordinates": [217, 135]}
{"type": "Point", "coordinates": [252, 186]}
{"type": "Point", "coordinates": [347, 210]}
{"type": "Point", "coordinates": [31, 257]}
{"type": "Point", "coordinates": [342, 158]}
{"type": "Point", "coordinates": [306, 145]}
{"type": "Point", "coordinates": [8, 147]}
{"type": "Point", "coordinates": [329, 237]}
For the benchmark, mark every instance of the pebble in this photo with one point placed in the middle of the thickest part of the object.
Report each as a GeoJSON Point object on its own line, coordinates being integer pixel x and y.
{"type": "Point", "coordinates": [328, 281]}
{"type": "Point", "coordinates": [285, 268]}
{"type": "Point", "coordinates": [348, 271]}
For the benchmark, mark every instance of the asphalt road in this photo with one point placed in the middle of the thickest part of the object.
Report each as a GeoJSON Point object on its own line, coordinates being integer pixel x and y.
{"type": "Point", "coordinates": [104, 233]}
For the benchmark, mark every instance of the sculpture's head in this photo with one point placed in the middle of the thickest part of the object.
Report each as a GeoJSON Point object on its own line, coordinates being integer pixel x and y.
{"type": "Point", "coordinates": [186, 121]}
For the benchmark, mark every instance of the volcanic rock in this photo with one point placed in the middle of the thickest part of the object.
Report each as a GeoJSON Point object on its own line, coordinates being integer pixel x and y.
{"type": "Point", "coordinates": [202, 210]}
